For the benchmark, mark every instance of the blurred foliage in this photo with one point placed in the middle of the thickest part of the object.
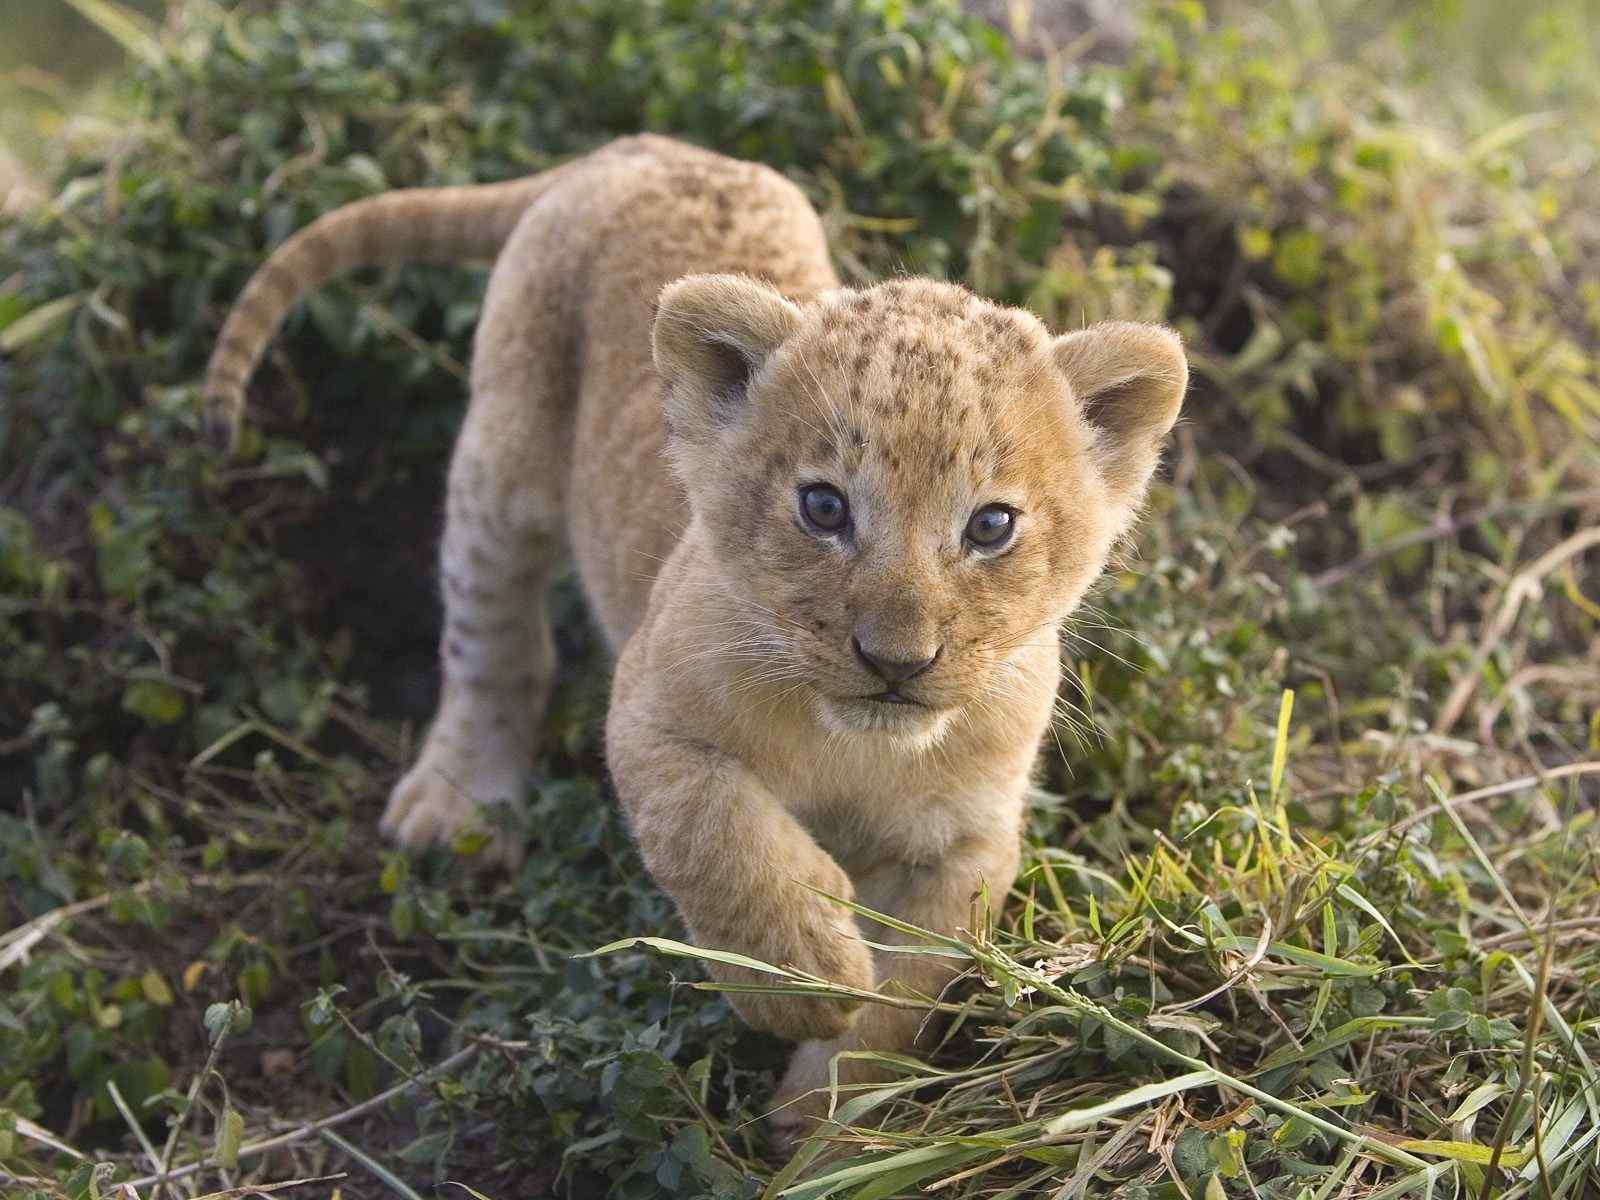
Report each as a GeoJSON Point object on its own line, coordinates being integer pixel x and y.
{"type": "Point", "coordinates": [210, 672]}
{"type": "Point", "coordinates": [1477, 63]}
{"type": "Point", "coordinates": [56, 65]}
{"type": "Point", "coordinates": [1403, 279]}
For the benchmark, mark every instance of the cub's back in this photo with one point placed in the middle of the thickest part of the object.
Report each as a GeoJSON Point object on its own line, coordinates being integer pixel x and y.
{"type": "Point", "coordinates": [589, 260]}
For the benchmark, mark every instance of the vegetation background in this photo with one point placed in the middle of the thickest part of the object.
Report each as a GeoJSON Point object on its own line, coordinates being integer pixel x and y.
{"type": "Point", "coordinates": [1312, 900]}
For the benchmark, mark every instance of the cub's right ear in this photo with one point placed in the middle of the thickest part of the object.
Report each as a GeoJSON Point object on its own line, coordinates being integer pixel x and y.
{"type": "Point", "coordinates": [712, 334]}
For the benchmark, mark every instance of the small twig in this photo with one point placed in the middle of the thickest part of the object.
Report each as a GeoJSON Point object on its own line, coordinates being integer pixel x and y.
{"type": "Point", "coordinates": [1522, 935]}
{"type": "Point", "coordinates": [312, 1128]}
{"type": "Point", "coordinates": [441, 357]}
{"type": "Point", "coordinates": [367, 1040]}
{"type": "Point", "coordinates": [1488, 793]}
{"type": "Point", "coordinates": [38, 1133]}
{"type": "Point", "coordinates": [1164, 1152]}
{"type": "Point", "coordinates": [34, 1181]}
{"type": "Point", "coordinates": [386, 1176]}
{"type": "Point", "coordinates": [1441, 529]}
{"type": "Point", "coordinates": [1525, 585]}
{"type": "Point", "coordinates": [314, 157]}
{"type": "Point", "coordinates": [178, 1126]}
{"type": "Point", "coordinates": [16, 943]}
{"type": "Point", "coordinates": [21, 742]}
{"type": "Point", "coordinates": [262, 1189]}
{"type": "Point", "coordinates": [1525, 1072]}
{"type": "Point", "coordinates": [706, 1118]}
{"type": "Point", "coordinates": [1574, 677]}
{"type": "Point", "coordinates": [1245, 968]}
{"type": "Point", "coordinates": [1087, 1167]}
{"type": "Point", "coordinates": [133, 1123]}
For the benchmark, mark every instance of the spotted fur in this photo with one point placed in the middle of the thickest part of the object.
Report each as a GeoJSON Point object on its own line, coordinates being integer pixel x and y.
{"type": "Point", "coordinates": [665, 359]}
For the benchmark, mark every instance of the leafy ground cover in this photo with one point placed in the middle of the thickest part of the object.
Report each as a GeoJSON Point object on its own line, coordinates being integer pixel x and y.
{"type": "Point", "coordinates": [1312, 901]}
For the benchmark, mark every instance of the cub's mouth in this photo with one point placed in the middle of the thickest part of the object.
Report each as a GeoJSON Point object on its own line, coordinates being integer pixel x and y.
{"type": "Point", "coordinates": [887, 712]}
{"type": "Point", "coordinates": [893, 697]}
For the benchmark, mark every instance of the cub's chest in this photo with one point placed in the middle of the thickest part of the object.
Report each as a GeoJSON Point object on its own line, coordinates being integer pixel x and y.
{"type": "Point", "coordinates": [867, 831]}
{"type": "Point", "coordinates": [913, 818]}
{"type": "Point", "coordinates": [870, 798]}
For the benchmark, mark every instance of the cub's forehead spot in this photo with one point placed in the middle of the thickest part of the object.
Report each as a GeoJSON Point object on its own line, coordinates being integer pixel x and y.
{"type": "Point", "coordinates": [918, 378]}
{"type": "Point", "coordinates": [921, 337]}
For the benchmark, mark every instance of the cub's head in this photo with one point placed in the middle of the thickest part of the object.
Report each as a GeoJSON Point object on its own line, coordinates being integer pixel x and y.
{"type": "Point", "coordinates": [906, 489]}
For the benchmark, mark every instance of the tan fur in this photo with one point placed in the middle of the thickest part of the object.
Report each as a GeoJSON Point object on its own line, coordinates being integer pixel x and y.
{"type": "Point", "coordinates": [444, 225]}
{"type": "Point", "coordinates": [743, 745]}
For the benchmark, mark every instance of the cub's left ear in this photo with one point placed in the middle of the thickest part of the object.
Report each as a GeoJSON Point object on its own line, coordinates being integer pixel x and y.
{"type": "Point", "coordinates": [1129, 379]}
{"type": "Point", "coordinates": [712, 334]}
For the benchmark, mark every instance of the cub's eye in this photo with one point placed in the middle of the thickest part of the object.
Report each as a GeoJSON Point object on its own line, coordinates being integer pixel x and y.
{"type": "Point", "coordinates": [824, 507]}
{"type": "Point", "coordinates": [991, 526]}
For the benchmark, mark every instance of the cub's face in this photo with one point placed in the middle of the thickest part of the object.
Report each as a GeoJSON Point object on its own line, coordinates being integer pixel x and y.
{"type": "Point", "coordinates": [906, 489]}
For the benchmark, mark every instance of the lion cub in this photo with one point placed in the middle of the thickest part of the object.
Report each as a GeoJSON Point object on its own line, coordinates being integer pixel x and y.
{"type": "Point", "coordinates": [831, 535]}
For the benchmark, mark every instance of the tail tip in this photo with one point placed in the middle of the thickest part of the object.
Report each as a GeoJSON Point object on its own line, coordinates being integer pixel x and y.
{"type": "Point", "coordinates": [218, 424]}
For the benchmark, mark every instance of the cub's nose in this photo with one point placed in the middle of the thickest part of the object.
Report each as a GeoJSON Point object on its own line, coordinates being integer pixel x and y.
{"type": "Point", "coordinates": [893, 671]}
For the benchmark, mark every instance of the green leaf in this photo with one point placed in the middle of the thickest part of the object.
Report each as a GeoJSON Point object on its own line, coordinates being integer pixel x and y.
{"type": "Point", "coordinates": [155, 988]}
{"type": "Point", "coordinates": [1297, 258]}
{"type": "Point", "coordinates": [127, 26]}
{"type": "Point", "coordinates": [1477, 1098]}
{"type": "Point", "coordinates": [361, 1071]}
{"type": "Point", "coordinates": [230, 1132]}
{"type": "Point", "coordinates": [1343, 1035]}
{"type": "Point", "coordinates": [1139, 1097]}
{"type": "Point", "coordinates": [1325, 963]}
{"type": "Point", "coordinates": [684, 950]}
{"type": "Point", "coordinates": [254, 981]}
{"type": "Point", "coordinates": [155, 702]}
{"type": "Point", "coordinates": [220, 1019]}
{"type": "Point", "coordinates": [1354, 897]}
{"type": "Point", "coordinates": [903, 1181]}
{"type": "Point", "coordinates": [395, 870]}
{"type": "Point", "coordinates": [1469, 1152]}
{"type": "Point", "coordinates": [37, 324]}
{"type": "Point", "coordinates": [403, 915]}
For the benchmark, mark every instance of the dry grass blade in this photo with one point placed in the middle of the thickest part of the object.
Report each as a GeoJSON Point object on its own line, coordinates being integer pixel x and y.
{"type": "Point", "coordinates": [314, 1128]}
{"type": "Point", "coordinates": [268, 1189]}
{"type": "Point", "coordinates": [126, 26]}
{"type": "Point", "coordinates": [389, 1179]}
{"type": "Point", "coordinates": [1526, 585]}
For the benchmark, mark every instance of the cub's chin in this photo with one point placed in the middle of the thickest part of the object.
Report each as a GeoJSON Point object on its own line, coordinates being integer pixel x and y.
{"type": "Point", "coordinates": [915, 725]}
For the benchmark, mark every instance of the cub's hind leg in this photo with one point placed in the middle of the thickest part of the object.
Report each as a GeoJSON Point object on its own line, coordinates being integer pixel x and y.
{"type": "Point", "coordinates": [497, 657]}
{"type": "Point", "coordinates": [504, 528]}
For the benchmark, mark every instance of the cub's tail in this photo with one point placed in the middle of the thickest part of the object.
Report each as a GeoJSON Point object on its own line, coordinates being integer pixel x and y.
{"type": "Point", "coordinates": [436, 225]}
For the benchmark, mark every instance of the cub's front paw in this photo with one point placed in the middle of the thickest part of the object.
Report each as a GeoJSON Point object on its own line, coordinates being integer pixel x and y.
{"type": "Point", "coordinates": [819, 938]}
{"type": "Point", "coordinates": [445, 795]}
{"type": "Point", "coordinates": [795, 1018]}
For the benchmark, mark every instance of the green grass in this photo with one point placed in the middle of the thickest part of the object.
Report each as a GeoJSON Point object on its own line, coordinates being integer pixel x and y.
{"type": "Point", "coordinates": [1311, 905]}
